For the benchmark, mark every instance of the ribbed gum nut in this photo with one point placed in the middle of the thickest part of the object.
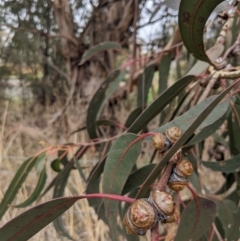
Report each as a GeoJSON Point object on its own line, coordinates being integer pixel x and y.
{"type": "Point", "coordinates": [163, 201]}
{"type": "Point", "coordinates": [185, 168]}
{"type": "Point", "coordinates": [159, 142]}
{"type": "Point", "coordinates": [177, 186]}
{"type": "Point", "coordinates": [174, 217]}
{"type": "Point", "coordinates": [173, 134]}
{"type": "Point", "coordinates": [129, 229]}
{"type": "Point", "coordinates": [139, 217]}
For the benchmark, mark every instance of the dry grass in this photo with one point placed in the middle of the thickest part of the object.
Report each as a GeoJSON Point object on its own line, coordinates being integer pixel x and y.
{"type": "Point", "coordinates": [80, 221]}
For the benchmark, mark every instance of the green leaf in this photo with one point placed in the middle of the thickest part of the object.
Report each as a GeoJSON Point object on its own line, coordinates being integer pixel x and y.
{"type": "Point", "coordinates": [164, 68]}
{"type": "Point", "coordinates": [233, 233]}
{"type": "Point", "coordinates": [50, 185]}
{"type": "Point", "coordinates": [220, 229]}
{"type": "Point", "coordinates": [160, 103]}
{"type": "Point", "coordinates": [227, 166]}
{"type": "Point", "coordinates": [192, 18]}
{"type": "Point", "coordinates": [144, 84]}
{"type": "Point", "coordinates": [33, 220]}
{"type": "Point", "coordinates": [237, 108]}
{"type": "Point", "coordinates": [102, 94]}
{"type": "Point", "coordinates": [179, 67]}
{"type": "Point", "coordinates": [62, 155]}
{"type": "Point", "coordinates": [59, 187]}
{"type": "Point", "coordinates": [236, 128]}
{"type": "Point", "coordinates": [94, 181]}
{"type": "Point", "coordinates": [133, 116]}
{"type": "Point", "coordinates": [76, 159]}
{"type": "Point", "coordinates": [80, 169]}
{"type": "Point", "coordinates": [220, 139]}
{"type": "Point", "coordinates": [233, 130]}
{"type": "Point", "coordinates": [226, 209]}
{"type": "Point", "coordinates": [137, 177]}
{"type": "Point", "coordinates": [185, 120]}
{"type": "Point", "coordinates": [17, 182]}
{"type": "Point", "coordinates": [191, 124]}
{"type": "Point", "coordinates": [223, 110]}
{"type": "Point", "coordinates": [26, 225]}
{"type": "Point", "coordinates": [117, 168]}
{"type": "Point", "coordinates": [37, 191]}
{"type": "Point", "coordinates": [181, 100]}
{"type": "Point", "coordinates": [61, 181]}
{"type": "Point", "coordinates": [196, 220]}
{"type": "Point", "coordinates": [99, 48]}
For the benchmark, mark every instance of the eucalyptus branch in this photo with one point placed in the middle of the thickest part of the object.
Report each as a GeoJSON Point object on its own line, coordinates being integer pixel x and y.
{"type": "Point", "coordinates": [231, 48]}
{"type": "Point", "coordinates": [161, 185]}
{"type": "Point", "coordinates": [221, 74]}
{"type": "Point", "coordinates": [155, 233]}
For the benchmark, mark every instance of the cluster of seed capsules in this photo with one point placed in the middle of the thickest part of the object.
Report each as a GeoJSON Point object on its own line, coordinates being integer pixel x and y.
{"type": "Point", "coordinates": [183, 169]}
{"type": "Point", "coordinates": [144, 213]}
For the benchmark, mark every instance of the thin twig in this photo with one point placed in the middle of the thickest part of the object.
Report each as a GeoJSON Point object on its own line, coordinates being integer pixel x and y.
{"type": "Point", "coordinates": [229, 50]}
{"type": "Point", "coordinates": [155, 233]}
{"type": "Point", "coordinates": [208, 88]}
{"type": "Point", "coordinates": [161, 185]}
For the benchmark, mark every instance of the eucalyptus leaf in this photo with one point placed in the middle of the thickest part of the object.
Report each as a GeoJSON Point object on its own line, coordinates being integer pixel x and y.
{"type": "Point", "coordinates": [59, 187]}
{"type": "Point", "coordinates": [227, 166]}
{"type": "Point", "coordinates": [186, 119]}
{"type": "Point", "coordinates": [102, 95]}
{"type": "Point", "coordinates": [192, 18]}
{"type": "Point", "coordinates": [137, 177]}
{"type": "Point", "coordinates": [223, 109]}
{"type": "Point", "coordinates": [225, 211]}
{"type": "Point", "coordinates": [37, 191]}
{"type": "Point", "coordinates": [99, 48]}
{"type": "Point", "coordinates": [160, 103]}
{"type": "Point", "coordinates": [144, 84]}
{"type": "Point", "coordinates": [119, 163]}
{"type": "Point", "coordinates": [27, 224]}
{"type": "Point", "coordinates": [196, 219]}
{"type": "Point", "coordinates": [17, 182]}
{"type": "Point", "coordinates": [164, 68]}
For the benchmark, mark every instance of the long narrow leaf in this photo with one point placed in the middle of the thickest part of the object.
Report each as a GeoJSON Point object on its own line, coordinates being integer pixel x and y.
{"type": "Point", "coordinates": [185, 120]}
{"type": "Point", "coordinates": [60, 185]}
{"type": "Point", "coordinates": [27, 224]}
{"type": "Point", "coordinates": [116, 172]}
{"type": "Point", "coordinates": [37, 191]}
{"type": "Point", "coordinates": [160, 103]}
{"type": "Point", "coordinates": [196, 219]}
{"type": "Point", "coordinates": [99, 48]}
{"type": "Point", "coordinates": [102, 94]}
{"type": "Point", "coordinates": [227, 166]}
{"type": "Point", "coordinates": [17, 182]}
{"type": "Point", "coordinates": [144, 84]}
{"type": "Point", "coordinates": [210, 129]}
